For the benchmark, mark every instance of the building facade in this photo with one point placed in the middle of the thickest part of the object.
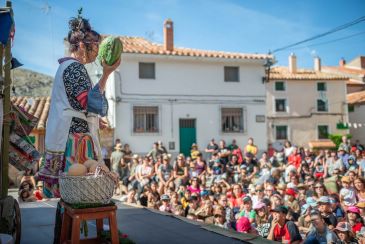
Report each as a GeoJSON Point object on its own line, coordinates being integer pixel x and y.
{"type": "Point", "coordinates": [305, 106]}
{"type": "Point", "coordinates": [355, 69]}
{"type": "Point", "coordinates": [183, 96]}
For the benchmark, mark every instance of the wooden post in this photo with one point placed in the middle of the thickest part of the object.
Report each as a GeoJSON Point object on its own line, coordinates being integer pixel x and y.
{"type": "Point", "coordinates": [6, 125]}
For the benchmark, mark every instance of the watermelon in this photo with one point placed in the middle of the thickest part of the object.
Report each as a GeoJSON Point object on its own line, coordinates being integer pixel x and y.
{"type": "Point", "coordinates": [110, 50]}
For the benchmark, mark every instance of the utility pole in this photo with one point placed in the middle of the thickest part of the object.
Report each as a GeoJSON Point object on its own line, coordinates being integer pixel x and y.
{"type": "Point", "coordinates": [6, 53]}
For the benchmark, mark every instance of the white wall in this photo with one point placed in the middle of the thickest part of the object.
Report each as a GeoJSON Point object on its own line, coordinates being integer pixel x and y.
{"type": "Point", "coordinates": [302, 117]}
{"type": "Point", "coordinates": [208, 125]}
{"type": "Point", "coordinates": [196, 89]}
{"type": "Point", "coordinates": [358, 116]}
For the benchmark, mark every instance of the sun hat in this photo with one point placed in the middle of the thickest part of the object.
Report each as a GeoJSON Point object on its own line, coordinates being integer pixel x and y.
{"type": "Point", "coordinates": [290, 192]}
{"type": "Point", "coordinates": [165, 197]}
{"type": "Point", "coordinates": [324, 199]}
{"type": "Point", "coordinates": [135, 156]}
{"type": "Point", "coordinates": [353, 209]}
{"type": "Point", "coordinates": [302, 186]}
{"type": "Point", "coordinates": [304, 208]}
{"type": "Point", "coordinates": [280, 209]}
{"type": "Point", "coordinates": [118, 146]}
{"type": "Point", "coordinates": [246, 199]}
{"type": "Point", "coordinates": [40, 183]}
{"type": "Point", "coordinates": [360, 205]}
{"type": "Point", "coordinates": [243, 224]}
{"type": "Point", "coordinates": [259, 205]}
{"type": "Point", "coordinates": [281, 186]}
{"type": "Point", "coordinates": [345, 179]}
{"type": "Point", "coordinates": [311, 201]}
{"type": "Point", "coordinates": [343, 227]}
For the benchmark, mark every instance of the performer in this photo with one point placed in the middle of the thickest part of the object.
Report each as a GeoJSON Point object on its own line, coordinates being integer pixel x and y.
{"type": "Point", "coordinates": [75, 108]}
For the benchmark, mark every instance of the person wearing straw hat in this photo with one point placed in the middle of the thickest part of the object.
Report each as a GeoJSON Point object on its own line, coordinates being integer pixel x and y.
{"type": "Point", "coordinates": [344, 232]}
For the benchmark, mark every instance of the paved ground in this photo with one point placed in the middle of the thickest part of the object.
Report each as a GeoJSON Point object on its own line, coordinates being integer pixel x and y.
{"type": "Point", "coordinates": [142, 226]}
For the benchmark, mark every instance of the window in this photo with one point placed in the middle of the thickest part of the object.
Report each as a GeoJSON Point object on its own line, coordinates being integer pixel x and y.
{"type": "Point", "coordinates": [147, 70]}
{"type": "Point", "coordinates": [232, 120]}
{"type": "Point", "coordinates": [231, 74]}
{"type": "Point", "coordinates": [323, 132]}
{"type": "Point", "coordinates": [279, 86]}
{"type": "Point", "coordinates": [281, 132]}
{"type": "Point", "coordinates": [280, 105]}
{"type": "Point", "coordinates": [321, 86]}
{"type": "Point", "coordinates": [322, 106]}
{"type": "Point", "coordinates": [145, 119]}
{"type": "Point", "coordinates": [351, 108]}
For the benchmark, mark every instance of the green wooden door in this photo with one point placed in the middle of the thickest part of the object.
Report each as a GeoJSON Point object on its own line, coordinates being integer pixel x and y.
{"type": "Point", "coordinates": [187, 135]}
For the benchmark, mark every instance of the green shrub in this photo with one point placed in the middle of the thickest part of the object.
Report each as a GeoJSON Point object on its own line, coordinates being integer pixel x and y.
{"type": "Point", "coordinates": [337, 138]}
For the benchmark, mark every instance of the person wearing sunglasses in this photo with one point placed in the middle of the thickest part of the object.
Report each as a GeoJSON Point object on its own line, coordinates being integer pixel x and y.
{"type": "Point", "coordinates": [320, 233]}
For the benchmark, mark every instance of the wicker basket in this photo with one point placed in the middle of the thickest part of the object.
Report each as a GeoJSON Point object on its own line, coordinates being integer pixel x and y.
{"type": "Point", "coordinates": [92, 188]}
{"type": "Point", "coordinates": [87, 189]}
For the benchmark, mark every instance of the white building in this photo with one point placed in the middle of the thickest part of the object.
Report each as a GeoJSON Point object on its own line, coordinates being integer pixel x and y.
{"type": "Point", "coordinates": [183, 96]}
{"type": "Point", "coordinates": [304, 106]}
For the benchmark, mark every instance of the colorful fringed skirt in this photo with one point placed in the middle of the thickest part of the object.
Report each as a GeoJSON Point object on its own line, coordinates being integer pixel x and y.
{"type": "Point", "coordinates": [79, 148]}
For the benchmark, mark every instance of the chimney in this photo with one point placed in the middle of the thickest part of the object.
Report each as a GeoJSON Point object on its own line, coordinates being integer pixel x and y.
{"type": "Point", "coordinates": [317, 64]}
{"type": "Point", "coordinates": [342, 62]}
{"type": "Point", "coordinates": [168, 35]}
{"type": "Point", "coordinates": [292, 63]}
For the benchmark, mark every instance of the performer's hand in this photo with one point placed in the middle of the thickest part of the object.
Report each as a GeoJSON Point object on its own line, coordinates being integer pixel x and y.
{"type": "Point", "coordinates": [107, 70]}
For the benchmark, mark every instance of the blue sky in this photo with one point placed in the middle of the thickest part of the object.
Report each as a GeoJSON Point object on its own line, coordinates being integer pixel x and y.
{"type": "Point", "coordinates": [227, 25]}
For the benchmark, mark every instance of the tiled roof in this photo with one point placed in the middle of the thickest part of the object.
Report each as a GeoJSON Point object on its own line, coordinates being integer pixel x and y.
{"type": "Point", "coordinates": [36, 106]}
{"type": "Point", "coordinates": [345, 70]}
{"type": "Point", "coordinates": [321, 144]}
{"type": "Point", "coordinates": [355, 82]}
{"type": "Point", "coordinates": [140, 45]}
{"type": "Point", "coordinates": [356, 97]}
{"type": "Point", "coordinates": [283, 73]}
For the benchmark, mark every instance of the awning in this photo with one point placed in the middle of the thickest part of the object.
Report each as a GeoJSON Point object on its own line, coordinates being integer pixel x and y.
{"type": "Point", "coordinates": [322, 144]}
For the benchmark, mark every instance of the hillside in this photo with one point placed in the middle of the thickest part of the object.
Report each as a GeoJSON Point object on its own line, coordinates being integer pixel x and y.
{"type": "Point", "coordinates": [31, 83]}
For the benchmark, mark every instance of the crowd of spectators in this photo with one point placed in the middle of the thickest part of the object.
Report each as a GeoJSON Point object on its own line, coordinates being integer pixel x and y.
{"type": "Point", "coordinates": [293, 195]}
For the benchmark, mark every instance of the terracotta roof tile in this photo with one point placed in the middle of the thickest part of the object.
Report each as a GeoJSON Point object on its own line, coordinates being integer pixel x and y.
{"type": "Point", "coordinates": [38, 107]}
{"type": "Point", "coordinates": [141, 45]}
{"type": "Point", "coordinates": [356, 97]}
{"type": "Point", "coordinates": [283, 73]}
{"type": "Point", "coordinates": [346, 70]}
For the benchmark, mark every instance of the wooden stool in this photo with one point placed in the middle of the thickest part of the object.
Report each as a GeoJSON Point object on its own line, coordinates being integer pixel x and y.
{"type": "Point", "coordinates": [72, 218]}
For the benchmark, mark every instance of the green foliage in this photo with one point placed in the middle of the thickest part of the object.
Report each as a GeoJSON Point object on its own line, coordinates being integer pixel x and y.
{"type": "Point", "coordinates": [337, 138]}
{"type": "Point", "coordinates": [110, 50]}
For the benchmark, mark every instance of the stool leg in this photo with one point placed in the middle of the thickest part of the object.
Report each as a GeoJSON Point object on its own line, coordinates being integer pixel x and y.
{"type": "Point", "coordinates": [75, 236]}
{"type": "Point", "coordinates": [113, 227]}
{"type": "Point", "coordinates": [99, 226]}
{"type": "Point", "coordinates": [65, 229]}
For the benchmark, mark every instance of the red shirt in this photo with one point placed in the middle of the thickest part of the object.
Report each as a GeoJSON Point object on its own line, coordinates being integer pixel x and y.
{"type": "Point", "coordinates": [356, 228]}
{"type": "Point", "coordinates": [236, 202]}
{"type": "Point", "coordinates": [281, 233]}
{"type": "Point", "coordinates": [295, 160]}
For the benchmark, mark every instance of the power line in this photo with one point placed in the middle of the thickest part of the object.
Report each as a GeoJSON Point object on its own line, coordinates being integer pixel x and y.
{"type": "Point", "coordinates": [338, 28]}
{"type": "Point", "coordinates": [330, 41]}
